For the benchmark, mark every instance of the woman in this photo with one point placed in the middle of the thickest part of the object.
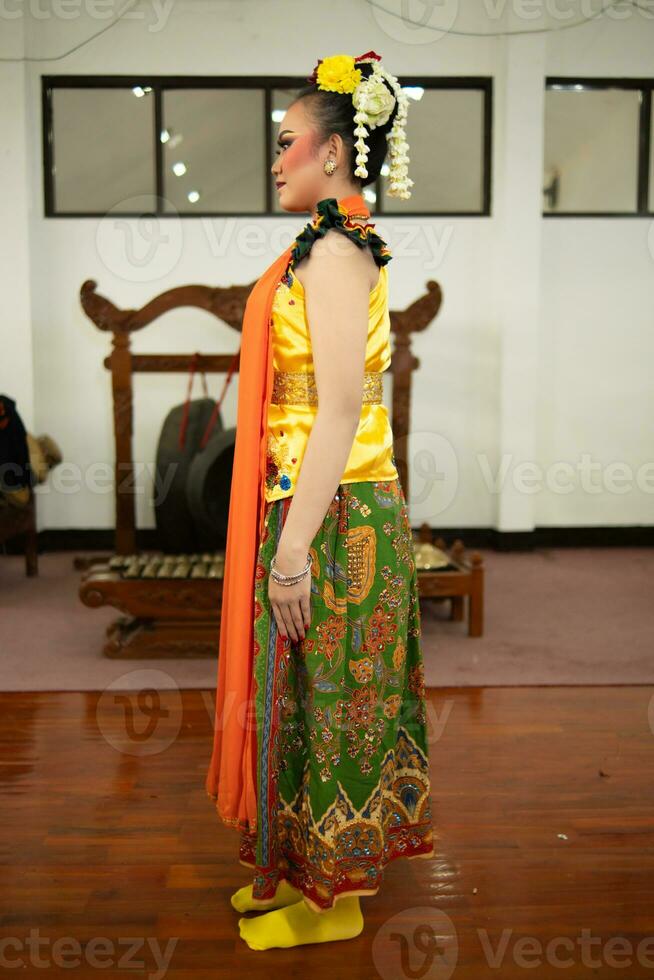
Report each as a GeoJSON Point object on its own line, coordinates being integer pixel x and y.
{"type": "Point", "coordinates": [327, 775]}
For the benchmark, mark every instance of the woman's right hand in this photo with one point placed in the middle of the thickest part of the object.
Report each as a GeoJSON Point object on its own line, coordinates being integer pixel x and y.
{"type": "Point", "coordinates": [291, 604]}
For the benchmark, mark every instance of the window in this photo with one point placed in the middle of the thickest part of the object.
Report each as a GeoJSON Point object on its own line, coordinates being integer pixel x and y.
{"type": "Point", "coordinates": [204, 146]}
{"type": "Point", "coordinates": [597, 152]}
{"type": "Point", "coordinates": [446, 132]}
{"type": "Point", "coordinates": [104, 152]}
{"type": "Point", "coordinates": [213, 143]}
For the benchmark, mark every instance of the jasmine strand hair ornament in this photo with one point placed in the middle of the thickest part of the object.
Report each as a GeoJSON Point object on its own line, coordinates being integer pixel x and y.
{"type": "Point", "coordinates": [376, 115]}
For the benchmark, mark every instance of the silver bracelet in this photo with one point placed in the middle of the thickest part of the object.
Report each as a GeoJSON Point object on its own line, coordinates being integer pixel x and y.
{"type": "Point", "coordinates": [289, 579]}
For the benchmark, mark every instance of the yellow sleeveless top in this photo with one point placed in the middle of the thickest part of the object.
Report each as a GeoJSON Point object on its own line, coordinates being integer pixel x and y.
{"type": "Point", "coordinates": [294, 399]}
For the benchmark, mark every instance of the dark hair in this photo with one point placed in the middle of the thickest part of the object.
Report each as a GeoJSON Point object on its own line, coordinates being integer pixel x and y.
{"type": "Point", "coordinates": [333, 112]}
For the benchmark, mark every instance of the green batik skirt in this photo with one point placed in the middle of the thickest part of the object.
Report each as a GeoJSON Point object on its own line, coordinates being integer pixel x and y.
{"type": "Point", "coordinates": [342, 758]}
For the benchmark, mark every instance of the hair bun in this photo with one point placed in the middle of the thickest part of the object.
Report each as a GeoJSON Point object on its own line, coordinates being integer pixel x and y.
{"type": "Point", "coordinates": [376, 95]}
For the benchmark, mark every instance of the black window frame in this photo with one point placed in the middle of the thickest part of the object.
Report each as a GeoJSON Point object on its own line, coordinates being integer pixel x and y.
{"type": "Point", "coordinates": [159, 83]}
{"type": "Point", "coordinates": [646, 85]}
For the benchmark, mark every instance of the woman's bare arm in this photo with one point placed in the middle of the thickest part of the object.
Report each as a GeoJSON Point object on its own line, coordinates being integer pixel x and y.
{"type": "Point", "coordinates": [336, 281]}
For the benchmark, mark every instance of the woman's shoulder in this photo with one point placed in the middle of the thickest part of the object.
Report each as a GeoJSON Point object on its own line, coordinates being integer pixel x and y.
{"type": "Point", "coordinates": [330, 216]}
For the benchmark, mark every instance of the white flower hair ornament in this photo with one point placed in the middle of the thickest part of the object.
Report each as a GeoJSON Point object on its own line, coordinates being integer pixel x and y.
{"type": "Point", "coordinates": [374, 104]}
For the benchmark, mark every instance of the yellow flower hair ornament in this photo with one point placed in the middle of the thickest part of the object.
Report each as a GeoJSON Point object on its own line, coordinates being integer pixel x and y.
{"type": "Point", "coordinates": [374, 104]}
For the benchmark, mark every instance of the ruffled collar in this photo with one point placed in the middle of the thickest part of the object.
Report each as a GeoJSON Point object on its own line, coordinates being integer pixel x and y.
{"type": "Point", "coordinates": [339, 213]}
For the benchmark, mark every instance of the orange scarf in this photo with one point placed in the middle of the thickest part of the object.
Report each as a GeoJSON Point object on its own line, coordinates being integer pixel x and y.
{"type": "Point", "coordinates": [231, 779]}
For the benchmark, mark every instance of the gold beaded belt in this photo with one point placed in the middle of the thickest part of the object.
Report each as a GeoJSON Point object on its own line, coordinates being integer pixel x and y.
{"type": "Point", "coordinates": [299, 388]}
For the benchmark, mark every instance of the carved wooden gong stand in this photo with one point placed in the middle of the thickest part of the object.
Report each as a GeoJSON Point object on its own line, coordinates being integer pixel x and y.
{"type": "Point", "coordinates": [171, 617]}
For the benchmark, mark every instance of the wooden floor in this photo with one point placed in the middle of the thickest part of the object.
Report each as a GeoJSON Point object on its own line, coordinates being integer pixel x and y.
{"type": "Point", "coordinates": [544, 820]}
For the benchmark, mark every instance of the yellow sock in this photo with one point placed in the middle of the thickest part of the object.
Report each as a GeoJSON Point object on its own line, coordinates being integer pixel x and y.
{"type": "Point", "coordinates": [298, 924]}
{"type": "Point", "coordinates": [286, 894]}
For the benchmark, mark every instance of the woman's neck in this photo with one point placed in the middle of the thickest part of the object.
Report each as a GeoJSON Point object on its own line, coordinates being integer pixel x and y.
{"type": "Point", "coordinates": [352, 201]}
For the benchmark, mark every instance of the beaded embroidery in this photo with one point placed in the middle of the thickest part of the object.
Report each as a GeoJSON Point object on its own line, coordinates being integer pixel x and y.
{"type": "Point", "coordinates": [276, 460]}
{"type": "Point", "coordinates": [287, 278]}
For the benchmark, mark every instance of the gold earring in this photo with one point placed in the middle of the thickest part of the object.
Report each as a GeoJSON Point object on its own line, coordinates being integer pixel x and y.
{"type": "Point", "coordinates": [329, 166]}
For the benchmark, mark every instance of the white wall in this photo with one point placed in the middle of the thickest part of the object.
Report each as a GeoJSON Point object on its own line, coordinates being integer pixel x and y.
{"type": "Point", "coordinates": [16, 366]}
{"type": "Point", "coordinates": [539, 356]}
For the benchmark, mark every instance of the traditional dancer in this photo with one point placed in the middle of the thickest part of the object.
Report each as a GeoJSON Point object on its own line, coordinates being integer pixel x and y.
{"type": "Point", "coordinates": [320, 754]}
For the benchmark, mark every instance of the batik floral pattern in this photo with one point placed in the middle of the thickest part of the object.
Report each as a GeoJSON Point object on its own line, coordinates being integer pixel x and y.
{"type": "Point", "coordinates": [342, 758]}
